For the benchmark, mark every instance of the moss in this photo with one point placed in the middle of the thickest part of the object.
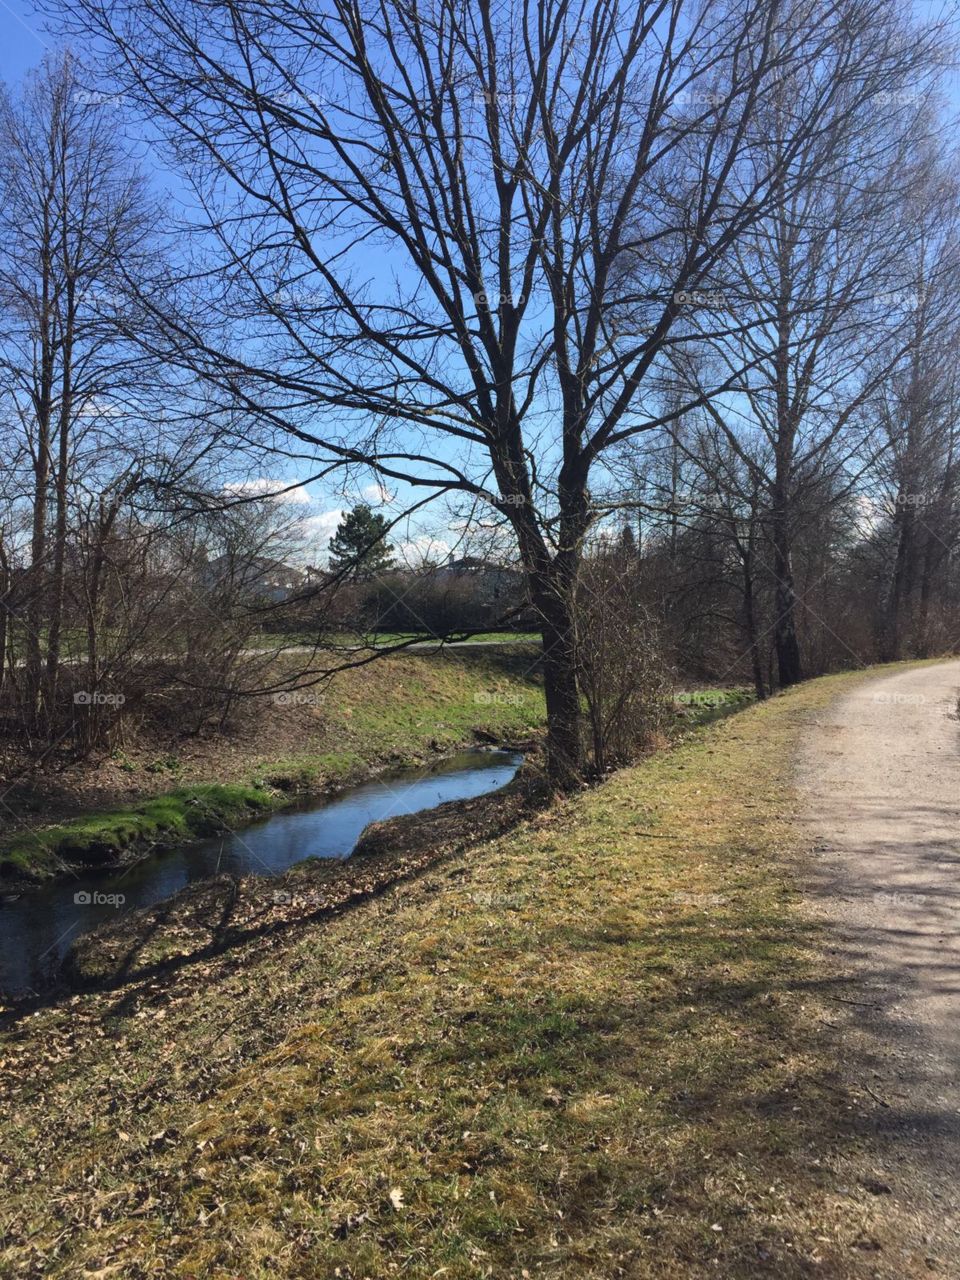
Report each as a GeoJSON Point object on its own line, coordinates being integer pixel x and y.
{"type": "Point", "coordinates": [198, 810]}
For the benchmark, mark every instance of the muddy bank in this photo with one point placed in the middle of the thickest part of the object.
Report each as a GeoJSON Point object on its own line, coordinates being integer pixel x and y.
{"type": "Point", "coordinates": [214, 922]}
{"type": "Point", "coordinates": [397, 712]}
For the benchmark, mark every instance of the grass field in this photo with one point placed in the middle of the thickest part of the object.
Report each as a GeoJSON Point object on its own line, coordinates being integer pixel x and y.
{"type": "Point", "coordinates": [591, 1048]}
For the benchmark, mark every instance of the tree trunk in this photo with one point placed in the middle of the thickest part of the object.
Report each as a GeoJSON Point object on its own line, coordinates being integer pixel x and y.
{"type": "Point", "coordinates": [564, 721]}
{"type": "Point", "coordinates": [789, 665]}
{"type": "Point", "coordinates": [750, 626]}
{"type": "Point", "coordinates": [42, 465]}
{"type": "Point", "coordinates": [58, 585]}
{"type": "Point", "coordinates": [6, 590]}
{"type": "Point", "coordinates": [933, 556]}
{"type": "Point", "coordinates": [36, 578]}
{"type": "Point", "coordinates": [893, 629]}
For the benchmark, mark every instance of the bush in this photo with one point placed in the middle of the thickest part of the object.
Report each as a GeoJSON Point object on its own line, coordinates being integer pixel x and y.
{"type": "Point", "coordinates": [623, 677]}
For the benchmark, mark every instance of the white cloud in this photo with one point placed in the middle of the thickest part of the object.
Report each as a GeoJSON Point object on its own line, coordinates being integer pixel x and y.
{"type": "Point", "coordinates": [322, 526]}
{"type": "Point", "coordinates": [318, 527]}
{"type": "Point", "coordinates": [415, 551]}
{"type": "Point", "coordinates": [869, 513]}
{"type": "Point", "coordinates": [278, 490]}
{"type": "Point", "coordinates": [96, 407]}
{"type": "Point", "coordinates": [377, 494]}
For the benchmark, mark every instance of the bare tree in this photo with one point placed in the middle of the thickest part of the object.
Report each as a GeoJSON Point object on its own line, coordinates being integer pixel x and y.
{"type": "Point", "coordinates": [454, 238]}
{"type": "Point", "coordinates": [814, 272]}
{"type": "Point", "coordinates": [103, 442]}
{"type": "Point", "coordinates": [624, 680]}
{"type": "Point", "coordinates": [919, 410]}
{"type": "Point", "coordinates": [71, 207]}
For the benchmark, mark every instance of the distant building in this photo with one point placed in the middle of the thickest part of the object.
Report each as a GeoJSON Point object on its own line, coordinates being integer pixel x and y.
{"type": "Point", "coordinates": [256, 576]}
{"type": "Point", "coordinates": [494, 584]}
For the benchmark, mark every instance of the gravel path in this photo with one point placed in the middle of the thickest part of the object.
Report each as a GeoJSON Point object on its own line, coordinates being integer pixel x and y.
{"type": "Point", "coordinates": [881, 780]}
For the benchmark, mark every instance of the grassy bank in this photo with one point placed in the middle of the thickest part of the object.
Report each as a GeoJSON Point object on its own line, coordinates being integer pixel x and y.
{"type": "Point", "coordinates": [100, 838]}
{"type": "Point", "coordinates": [392, 713]}
{"type": "Point", "coordinates": [384, 639]}
{"type": "Point", "coordinates": [590, 1048]}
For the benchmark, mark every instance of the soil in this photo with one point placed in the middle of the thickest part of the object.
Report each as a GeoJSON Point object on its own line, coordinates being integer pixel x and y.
{"type": "Point", "coordinates": [881, 781]}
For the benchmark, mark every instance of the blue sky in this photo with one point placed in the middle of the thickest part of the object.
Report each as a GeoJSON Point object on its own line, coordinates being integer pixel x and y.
{"type": "Point", "coordinates": [22, 46]}
{"type": "Point", "coordinates": [24, 42]}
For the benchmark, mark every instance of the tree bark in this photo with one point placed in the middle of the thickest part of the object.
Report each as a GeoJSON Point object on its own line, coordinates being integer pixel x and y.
{"type": "Point", "coordinates": [6, 590]}
{"type": "Point", "coordinates": [564, 721]}
{"type": "Point", "coordinates": [36, 579]}
{"type": "Point", "coordinates": [893, 628]}
{"type": "Point", "coordinates": [922, 640]}
{"type": "Point", "coordinates": [750, 626]}
{"type": "Point", "coordinates": [789, 664]}
{"type": "Point", "coordinates": [58, 583]}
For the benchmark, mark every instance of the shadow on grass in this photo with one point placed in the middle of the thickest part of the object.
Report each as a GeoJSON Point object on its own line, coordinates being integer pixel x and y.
{"type": "Point", "coordinates": [630, 1105]}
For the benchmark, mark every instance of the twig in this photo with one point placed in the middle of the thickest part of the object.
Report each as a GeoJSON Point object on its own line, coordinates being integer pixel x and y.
{"type": "Point", "coordinates": [876, 1097]}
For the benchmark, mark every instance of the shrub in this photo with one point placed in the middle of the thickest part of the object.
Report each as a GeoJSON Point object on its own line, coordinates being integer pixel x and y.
{"type": "Point", "coordinates": [623, 677]}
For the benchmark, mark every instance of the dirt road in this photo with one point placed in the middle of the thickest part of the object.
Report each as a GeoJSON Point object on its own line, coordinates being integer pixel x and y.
{"type": "Point", "coordinates": [881, 781]}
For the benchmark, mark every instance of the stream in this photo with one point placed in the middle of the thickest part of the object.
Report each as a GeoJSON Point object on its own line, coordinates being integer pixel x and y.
{"type": "Point", "coordinates": [37, 929]}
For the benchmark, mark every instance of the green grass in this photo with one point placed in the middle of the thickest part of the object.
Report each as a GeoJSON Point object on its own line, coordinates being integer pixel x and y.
{"type": "Point", "coordinates": [385, 639]}
{"type": "Point", "coordinates": [733, 696]}
{"type": "Point", "coordinates": [700, 706]}
{"type": "Point", "coordinates": [497, 637]}
{"type": "Point", "coordinates": [198, 810]}
{"type": "Point", "coordinates": [590, 1049]}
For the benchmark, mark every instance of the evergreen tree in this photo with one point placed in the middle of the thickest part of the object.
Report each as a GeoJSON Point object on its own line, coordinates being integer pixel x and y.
{"type": "Point", "coordinates": [627, 543]}
{"type": "Point", "coordinates": [359, 548]}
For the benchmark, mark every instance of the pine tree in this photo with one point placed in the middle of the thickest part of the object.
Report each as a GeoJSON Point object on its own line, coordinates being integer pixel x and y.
{"type": "Point", "coordinates": [359, 549]}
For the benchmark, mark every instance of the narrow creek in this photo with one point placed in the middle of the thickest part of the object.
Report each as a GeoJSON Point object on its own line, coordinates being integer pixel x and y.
{"type": "Point", "coordinates": [37, 929]}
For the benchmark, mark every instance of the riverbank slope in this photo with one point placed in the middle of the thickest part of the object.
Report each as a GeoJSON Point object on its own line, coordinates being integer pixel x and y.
{"type": "Point", "coordinates": [591, 1047]}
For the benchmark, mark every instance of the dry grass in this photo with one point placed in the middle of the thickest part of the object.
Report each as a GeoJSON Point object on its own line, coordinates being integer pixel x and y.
{"type": "Point", "coordinates": [587, 1049]}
